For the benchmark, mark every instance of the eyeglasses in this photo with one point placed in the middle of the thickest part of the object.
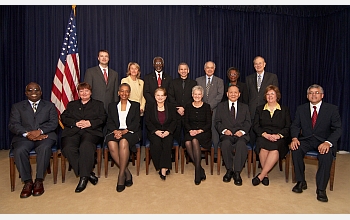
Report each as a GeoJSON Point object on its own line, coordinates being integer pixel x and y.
{"type": "Point", "coordinates": [234, 74]}
{"type": "Point", "coordinates": [314, 93]}
{"type": "Point", "coordinates": [158, 63]}
{"type": "Point", "coordinates": [31, 90]}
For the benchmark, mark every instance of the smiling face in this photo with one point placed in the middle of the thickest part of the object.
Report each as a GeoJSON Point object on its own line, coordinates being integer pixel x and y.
{"type": "Point", "coordinates": [183, 71]}
{"type": "Point", "coordinates": [158, 64]}
{"type": "Point", "coordinates": [315, 95]}
{"type": "Point", "coordinates": [134, 70]}
{"type": "Point", "coordinates": [271, 96]}
{"type": "Point", "coordinates": [160, 96]}
{"type": "Point", "coordinates": [85, 94]}
{"type": "Point", "coordinates": [197, 95]}
{"type": "Point", "coordinates": [259, 64]}
{"type": "Point", "coordinates": [33, 92]}
{"type": "Point", "coordinates": [233, 93]}
{"type": "Point", "coordinates": [124, 92]}
{"type": "Point", "coordinates": [209, 68]}
{"type": "Point", "coordinates": [103, 58]}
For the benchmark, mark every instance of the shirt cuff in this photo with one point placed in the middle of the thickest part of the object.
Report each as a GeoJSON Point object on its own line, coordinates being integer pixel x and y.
{"type": "Point", "coordinates": [223, 132]}
{"type": "Point", "coordinates": [329, 143]}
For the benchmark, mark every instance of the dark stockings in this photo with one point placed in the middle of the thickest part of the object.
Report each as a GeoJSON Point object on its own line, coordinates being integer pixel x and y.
{"type": "Point", "coordinates": [194, 151]}
{"type": "Point", "coordinates": [120, 154]}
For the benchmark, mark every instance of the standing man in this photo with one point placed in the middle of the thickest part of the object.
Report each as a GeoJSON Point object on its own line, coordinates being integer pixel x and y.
{"type": "Point", "coordinates": [179, 94]}
{"type": "Point", "coordinates": [33, 123]}
{"type": "Point", "coordinates": [103, 80]}
{"type": "Point", "coordinates": [214, 90]}
{"type": "Point", "coordinates": [317, 126]}
{"type": "Point", "coordinates": [257, 83]}
{"type": "Point", "coordinates": [233, 123]}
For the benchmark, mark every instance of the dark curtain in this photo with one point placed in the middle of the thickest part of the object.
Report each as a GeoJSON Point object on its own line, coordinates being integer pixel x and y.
{"type": "Point", "coordinates": [301, 47]}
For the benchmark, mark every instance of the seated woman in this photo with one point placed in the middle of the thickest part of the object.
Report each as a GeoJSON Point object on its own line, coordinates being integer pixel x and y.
{"type": "Point", "coordinates": [123, 132]}
{"type": "Point", "coordinates": [83, 121]}
{"type": "Point", "coordinates": [161, 124]}
{"type": "Point", "coordinates": [271, 124]}
{"type": "Point", "coordinates": [197, 131]}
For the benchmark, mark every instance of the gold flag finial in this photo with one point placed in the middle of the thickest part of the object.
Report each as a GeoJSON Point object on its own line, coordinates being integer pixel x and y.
{"type": "Point", "coordinates": [73, 7]}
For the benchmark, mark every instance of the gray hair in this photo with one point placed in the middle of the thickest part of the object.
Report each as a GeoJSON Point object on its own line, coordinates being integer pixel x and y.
{"type": "Point", "coordinates": [314, 86]}
{"type": "Point", "coordinates": [200, 88]}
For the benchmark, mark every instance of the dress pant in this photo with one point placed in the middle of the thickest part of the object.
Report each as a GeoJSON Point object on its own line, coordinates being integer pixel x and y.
{"type": "Point", "coordinates": [160, 149]}
{"type": "Point", "coordinates": [234, 152]}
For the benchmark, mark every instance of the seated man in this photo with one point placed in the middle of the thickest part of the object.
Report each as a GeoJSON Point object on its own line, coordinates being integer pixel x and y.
{"type": "Point", "coordinates": [33, 122]}
{"type": "Point", "coordinates": [320, 124]}
{"type": "Point", "coordinates": [233, 122]}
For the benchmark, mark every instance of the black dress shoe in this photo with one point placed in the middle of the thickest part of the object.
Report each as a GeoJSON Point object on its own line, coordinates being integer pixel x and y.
{"type": "Point", "coordinates": [265, 181]}
{"type": "Point", "coordinates": [93, 179]}
{"type": "Point", "coordinates": [82, 184]}
{"type": "Point", "coordinates": [161, 175]}
{"type": "Point", "coordinates": [256, 180]}
{"type": "Point", "coordinates": [228, 176]}
{"type": "Point", "coordinates": [299, 187]}
{"type": "Point", "coordinates": [237, 179]}
{"type": "Point", "coordinates": [129, 182]}
{"type": "Point", "coordinates": [203, 176]}
{"type": "Point", "coordinates": [321, 195]}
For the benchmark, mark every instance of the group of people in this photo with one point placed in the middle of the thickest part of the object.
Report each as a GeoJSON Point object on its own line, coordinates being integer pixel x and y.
{"type": "Point", "coordinates": [200, 113]}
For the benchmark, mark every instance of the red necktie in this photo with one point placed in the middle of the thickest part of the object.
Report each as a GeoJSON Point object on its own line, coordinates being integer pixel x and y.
{"type": "Point", "coordinates": [314, 117]}
{"type": "Point", "coordinates": [105, 75]}
{"type": "Point", "coordinates": [159, 80]}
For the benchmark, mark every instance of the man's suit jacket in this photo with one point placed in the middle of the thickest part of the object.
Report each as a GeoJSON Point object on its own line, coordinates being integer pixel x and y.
{"type": "Point", "coordinates": [100, 91]}
{"type": "Point", "coordinates": [151, 84]}
{"type": "Point", "coordinates": [243, 89]}
{"type": "Point", "coordinates": [216, 90]}
{"type": "Point", "coordinates": [224, 121]}
{"type": "Point", "coordinates": [23, 119]}
{"type": "Point", "coordinates": [257, 98]}
{"type": "Point", "coordinates": [179, 96]}
{"type": "Point", "coordinates": [76, 111]}
{"type": "Point", "coordinates": [152, 121]}
{"type": "Point", "coordinates": [327, 128]}
{"type": "Point", "coordinates": [132, 119]}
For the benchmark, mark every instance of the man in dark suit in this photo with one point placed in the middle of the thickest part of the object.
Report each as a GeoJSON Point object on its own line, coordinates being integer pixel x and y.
{"type": "Point", "coordinates": [33, 123]}
{"type": "Point", "coordinates": [104, 80]}
{"type": "Point", "coordinates": [233, 123]}
{"type": "Point", "coordinates": [257, 83]}
{"type": "Point", "coordinates": [155, 79]}
{"type": "Point", "coordinates": [317, 126]}
{"type": "Point", "coordinates": [213, 93]}
{"type": "Point", "coordinates": [179, 94]}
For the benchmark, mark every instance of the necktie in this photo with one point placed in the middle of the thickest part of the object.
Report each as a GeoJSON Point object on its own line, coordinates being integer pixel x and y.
{"type": "Point", "coordinates": [105, 75]}
{"type": "Point", "coordinates": [233, 112]}
{"type": "Point", "coordinates": [259, 82]}
{"type": "Point", "coordinates": [159, 80]}
{"type": "Point", "coordinates": [35, 107]}
{"type": "Point", "coordinates": [208, 86]}
{"type": "Point", "coordinates": [314, 117]}
{"type": "Point", "coordinates": [183, 84]}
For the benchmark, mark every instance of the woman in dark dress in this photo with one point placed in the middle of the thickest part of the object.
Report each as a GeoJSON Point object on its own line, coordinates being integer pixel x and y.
{"type": "Point", "coordinates": [123, 132]}
{"type": "Point", "coordinates": [197, 130]}
{"type": "Point", "coordinates": [271, 124]}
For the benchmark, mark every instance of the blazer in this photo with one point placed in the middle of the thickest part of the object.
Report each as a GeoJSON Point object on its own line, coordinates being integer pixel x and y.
{"type": "Point", "coordinates": [223, 116]}
{"type": "Point", "coordinates": [93, 111]}
{"type": "Point", "coordinates": [151, 84]}
{"type": "Point", "coordinates": [242, 89]}
{"type": "Point", "coordinates": [153, 124]}
{"type": "Point", "coordinates": [179, 96]}
{"type": "Point", "coordinates": [100, 91]}
{"type": "Point", "coordinates": [216, 90]}
{"type": "Point", "coordinates": [23, 119]}
{"type": "Point", "coordinates": [256, 98]}
{"type": "Point", "coordinates": [327, 128]}
{"type": "Point", "coordinates": [136, 93]}
{"type": "Point", "coordinates": [132, 119]}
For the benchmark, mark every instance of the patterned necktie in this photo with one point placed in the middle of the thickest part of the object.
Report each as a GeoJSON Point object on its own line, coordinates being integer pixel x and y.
{"type": "Point", "coordinates": [35, 107]}
{"type": "Point", "coordinates": [208, 86]}
{"type": "Point", "coordinates": [314, 117]}
{"type": "Point", "coordinates": [159, 80]}
{"type": "Point", "coordinates": [105, 75]}
{"type": "Point", "coordinates": [233, 112]}
{"type": "Point", "coordinates": [259, 82]}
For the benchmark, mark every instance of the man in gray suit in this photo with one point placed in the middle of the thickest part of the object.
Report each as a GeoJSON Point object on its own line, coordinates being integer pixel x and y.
{"type": "Point", "coordinates": [213, 92]}
{"type": "Point", "coordinates": [256, 83]}
{"type": "Point", "coordinates": [104, 80]}
{"type": "Point", "coordinates": [33, 123]}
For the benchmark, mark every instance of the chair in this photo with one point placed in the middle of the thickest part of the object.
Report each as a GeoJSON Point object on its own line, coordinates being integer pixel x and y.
{"type": "Point", "coordinates": [32, 155]}
{"type": "Point", "coordinates": [132, 155]}
{"type": "Point", "coordinates": [148, 156]}
{"type": "Point", "coordinates": [313, 155]}
{"type": "Point", "coordinates": [206, 153]}
{"type": "Point", "coordinates": [99, 162]}
{"type": "Point", "coordinates": [287, 162]}
{"type": "Point", "coordinates": [250, 158]}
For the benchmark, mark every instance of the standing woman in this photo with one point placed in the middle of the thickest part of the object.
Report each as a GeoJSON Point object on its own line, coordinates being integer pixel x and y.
{"type": "Point", "coordinates": [197, 130]}
{"type": "Point", "coordinates": [124, 131]}
{"type": "Point", "coordinates": [83, 121]}
{"type": "Point", "coordinates": [161, 123]}
{"type": "Point", "coordinates": [271, 124]}
{"type": "Point", "coordinates": [136, 84]}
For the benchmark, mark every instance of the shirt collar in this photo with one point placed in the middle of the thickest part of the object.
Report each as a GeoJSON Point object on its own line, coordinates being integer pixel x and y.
{"type": "Point", "coordinates": [266, 107]}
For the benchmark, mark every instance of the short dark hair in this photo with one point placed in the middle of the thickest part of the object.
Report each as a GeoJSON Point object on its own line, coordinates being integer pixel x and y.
{"type": "Point", "coordinates": [124, 84]}
{"type": "Point", "coordinates": [233, 68]}
{"type": "Point", "coordinates": [84, 85]}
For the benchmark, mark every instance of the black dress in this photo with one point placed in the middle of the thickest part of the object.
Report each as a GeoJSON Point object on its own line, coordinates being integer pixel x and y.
{"type": "Point", "coordinates": [199, 118]}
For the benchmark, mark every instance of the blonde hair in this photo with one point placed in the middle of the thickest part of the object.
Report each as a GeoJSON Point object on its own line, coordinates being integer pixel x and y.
{"type": "Point", "coordinates": [128, 73]}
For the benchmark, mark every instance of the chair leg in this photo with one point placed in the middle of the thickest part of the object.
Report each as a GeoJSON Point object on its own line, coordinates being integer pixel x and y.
{"type": "Point", "coordinates": [138, 162]}
{"type": "Point", "coordinates": [249, 162]}
{"type": "Point", "coordinates": [287, 161]}
{"type": "Point", "coordinates": [176, 159]}
{"type": "Point", "coordinates": [63, 167]}
{"type": "Point", "coordinates": [147, 160]}
{"type": "Point", "coordinates": [206, 157]}
{"type": "Point", "coordinates": [331, 178]}
{"type": "Point", "coordinates": [280, 164]}
{"type": "Point", "coordinates": [254, 162]}
{"type": "Point", "coordinates": [182, 159]}
{"type": "Point", "coordinates": [55, 166]}
{"type": "Point", "coordinates": [105, 155]}
{"type": "Point", "coordinates": [218, 162]}
{"type": "Point", "coordinates": [212, 161]}
{"type": "Point", "coordinates": [99, 161]}
{"type": "Point", "coordinates": [12, 173]}
{"type": "Point", "coordinates": [293, 173]}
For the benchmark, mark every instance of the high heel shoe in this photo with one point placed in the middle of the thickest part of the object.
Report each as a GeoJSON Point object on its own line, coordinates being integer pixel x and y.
{"type": "Point", "coordinates": [161, 175]}
{"type": "Point", "coordinates": [121, 188]}
{"type": "Point", "coordinates": [129, 182]}
{"type": "Point", "coordinates": [203, 176]}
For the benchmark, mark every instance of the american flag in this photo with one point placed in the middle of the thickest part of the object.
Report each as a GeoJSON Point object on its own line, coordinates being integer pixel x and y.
{"type": "Point", "coordinates": [67, 77]}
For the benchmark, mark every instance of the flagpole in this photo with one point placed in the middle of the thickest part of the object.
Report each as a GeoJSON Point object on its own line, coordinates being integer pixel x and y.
{"type": "Point", "coordinates": [73, 7]}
